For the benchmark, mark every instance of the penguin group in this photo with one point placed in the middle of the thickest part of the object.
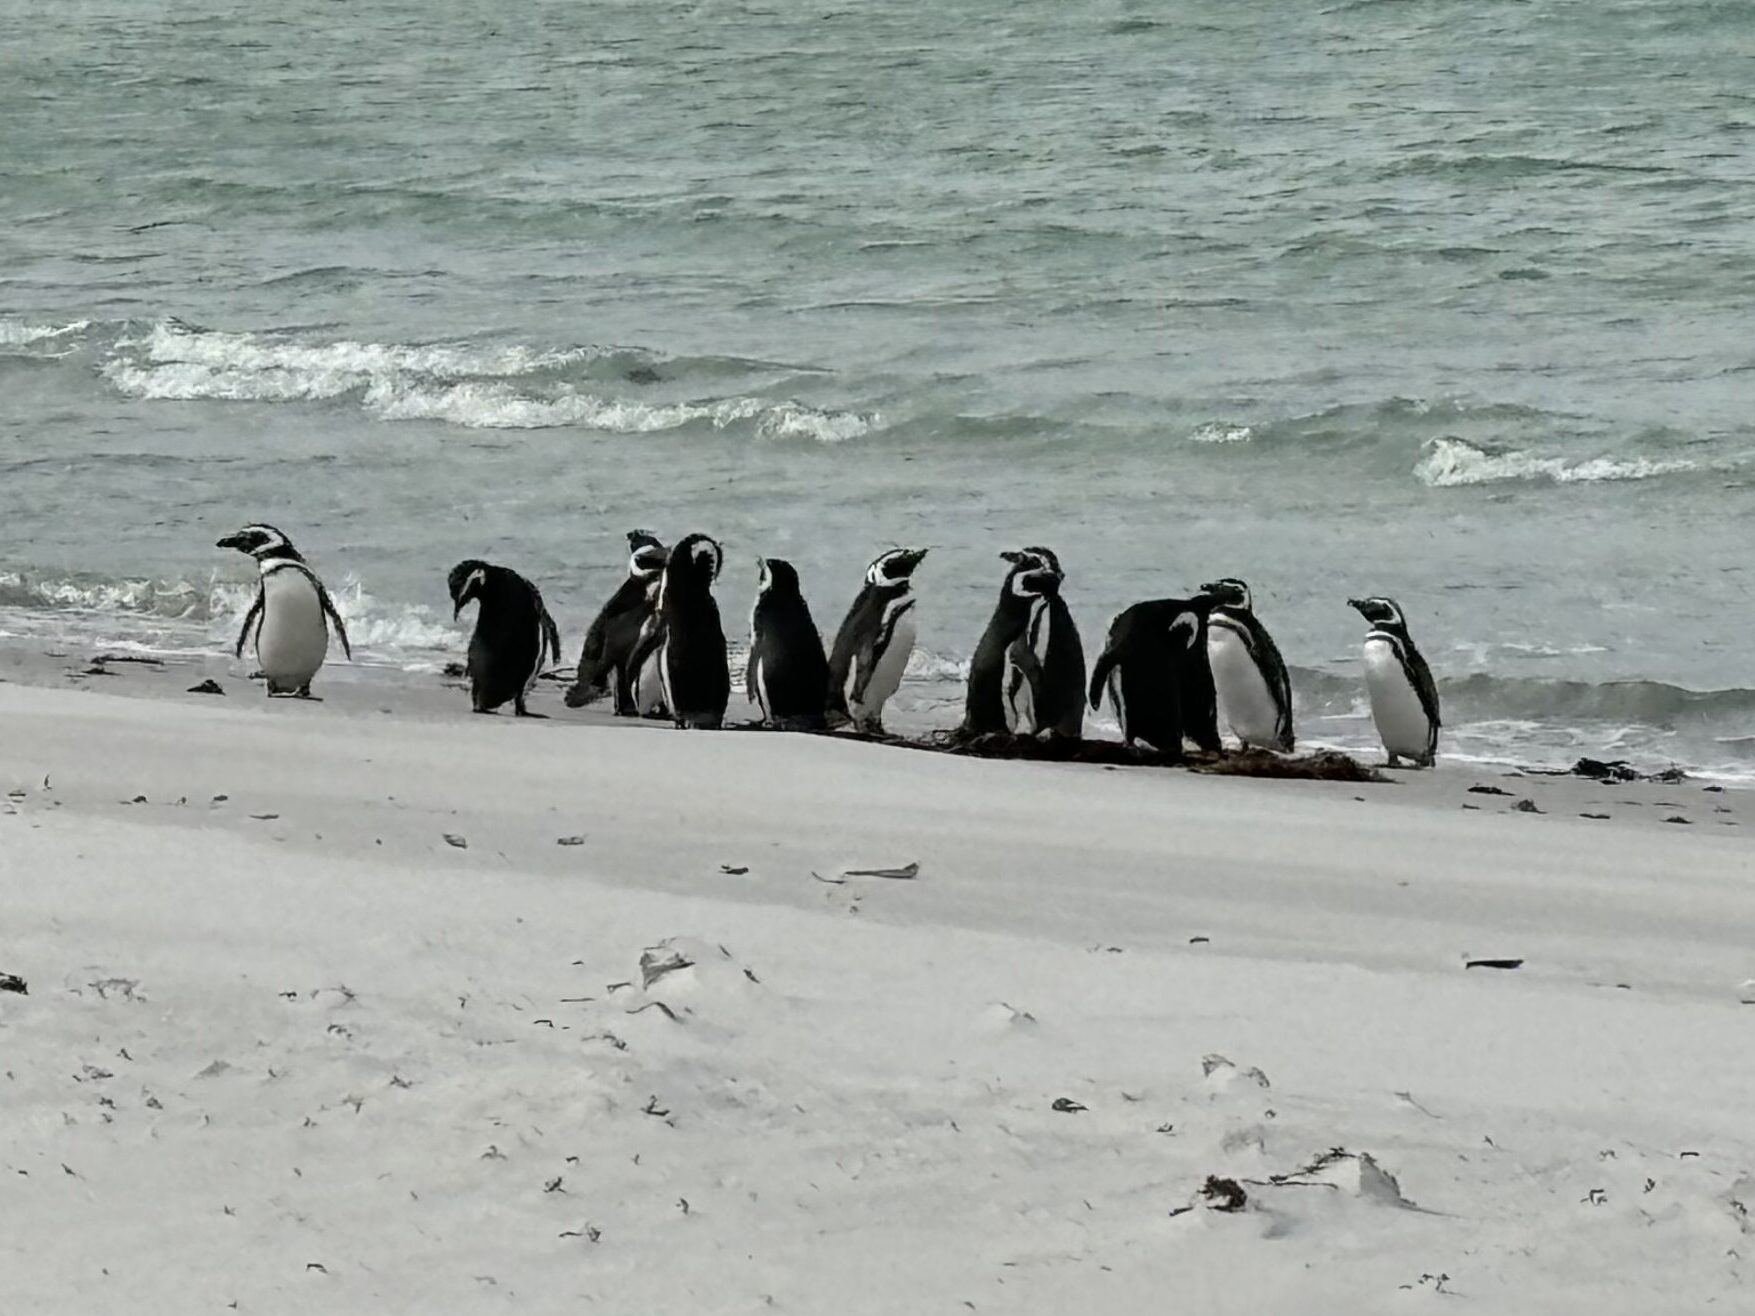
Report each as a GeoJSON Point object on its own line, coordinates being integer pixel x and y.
{"type": "Point", "coordinates": [1172, 670]}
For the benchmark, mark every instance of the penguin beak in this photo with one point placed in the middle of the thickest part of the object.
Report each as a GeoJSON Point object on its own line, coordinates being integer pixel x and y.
{"type": "Point", "coordinates": [1357, 605]}
{"type": "Point", "coordinates": [230, 541]}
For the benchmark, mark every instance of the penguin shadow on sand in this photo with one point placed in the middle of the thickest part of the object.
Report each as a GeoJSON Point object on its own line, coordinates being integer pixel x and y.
{"type": "Point", "coordinates": [291, 615]}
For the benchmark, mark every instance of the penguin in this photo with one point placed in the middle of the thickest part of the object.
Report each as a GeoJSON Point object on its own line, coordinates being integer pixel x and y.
{"type": "Point", "coordinates": [514, 635]}
{"type": "Point", "coordinates": [686, 637]}
{"type": "Point", "coordinates": [603, 661]}
{"type": "Point", "coordinates": [1045, 667]}
{"type": "Point", "coordinates": [1006, 646]}
{"type": "Point", "coordinates": [1249, 676]}
{"type": "Point", "coordinates": [292, 612]}
{"type": "Point", "coordinates": [788, 675]}
{"type": "Point", "coordinates": [874, 643]}
{"type": "Point", "coordinates": [1150, 667]}
{"type": "Point", "coordinates": [1404, 698]}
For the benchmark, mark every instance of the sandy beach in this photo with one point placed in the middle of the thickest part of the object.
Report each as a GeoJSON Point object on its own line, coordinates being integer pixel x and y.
{"type": "Point", "coordinates": [375, 1006]}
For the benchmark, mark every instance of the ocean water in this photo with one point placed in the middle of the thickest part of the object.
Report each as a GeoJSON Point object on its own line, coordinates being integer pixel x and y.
{"type": "Point", "coordinates": [1444, 299]}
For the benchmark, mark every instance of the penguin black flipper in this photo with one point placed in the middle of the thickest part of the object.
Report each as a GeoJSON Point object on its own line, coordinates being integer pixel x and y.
{"type": "Point", "coordinates": [1427, 689]}
{"type": "Point", "coordinates": [252, 617]}
{"type": "Point", "coordinates": [334, 618]}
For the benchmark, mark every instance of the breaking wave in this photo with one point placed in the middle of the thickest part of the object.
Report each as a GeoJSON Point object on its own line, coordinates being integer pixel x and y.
{"type": "Point", "coordinates": [475, 387]}
{"type": "Point", "coordinates": [182, 615]}
{"type": "Point", "coordinates": [1451, 463]}
{"type": "Point", "coordinates": [18, 333]}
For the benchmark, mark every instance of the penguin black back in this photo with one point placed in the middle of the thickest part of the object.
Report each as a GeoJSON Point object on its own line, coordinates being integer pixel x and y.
{"type": "Point", "coordinates": [1152, 652]}
{"type": "Point", "coordinates": [513, 636]}
{"type": "Point", "coordinates": [688, 637]}
{"type": "Point", "coordinates": [788, 673]}
{"type": "Point", "coordinates": [609, 644]}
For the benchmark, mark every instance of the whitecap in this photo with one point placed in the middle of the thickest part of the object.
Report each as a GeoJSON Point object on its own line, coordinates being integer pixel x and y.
{"type": "Point", "coordinates": [1451, 463]}
{"type": "Point", "coordinates": [1219, 432]}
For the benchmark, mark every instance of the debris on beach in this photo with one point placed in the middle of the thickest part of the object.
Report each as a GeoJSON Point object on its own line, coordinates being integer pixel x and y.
{"type": "Point", "coordinates": [906, 873]}
{"type": "Point", "coordinates": [569, 840]}
{"type": "Point", "coordinates": [456, 841]}
{"type": "Point", "coordinates": [1527, 806]}
{"type": "Point", "coordinates": [1618, 771]}
{"type": "Point", "coordinates": [1326, 765]}
{"type": "Point", "coordinates": [1488, 790]}
{"type": "Point", "coordinates": [207, 687]}
{"type": "Point", "coordinates": [11, 982]}
{"type": "Point", "coordinates": [1492, 964]}
{"type": "Point", "coordinates": [1067, 1106]}
{"type": "Point", "coordinates": [1224, 1194]}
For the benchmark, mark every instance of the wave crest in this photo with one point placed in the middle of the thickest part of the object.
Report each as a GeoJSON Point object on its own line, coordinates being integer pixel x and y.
{"type": "Point", "coordinates": [474, 387]}
{"type": "Point", "coordinates": [1451, 463]}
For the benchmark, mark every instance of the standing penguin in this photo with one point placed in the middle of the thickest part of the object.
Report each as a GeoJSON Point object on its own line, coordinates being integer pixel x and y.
{"type": "Point", "coordinates": [1249, 676]}
{"type": "Point", "coordinates": [292, 612]}
{"type": "Point", "coordinates": [874, 642]}
{"type": "Point", "coordinates": [603, 661]}
{"type": "Point", "coordinates": [788, 676]}
{"type": "Point", "coordinates": [1005, 644]}
{"type": "Point", "coordinates": [686, 636]}
{"type": "Point", "coordinates": [1404, 698]}
{"type": "Point", "coordinates": [1045, 666]}
{"type": "Point", "coordinates": [513, 634]}
{"type": "Point", "coordinates": [1151, 667]}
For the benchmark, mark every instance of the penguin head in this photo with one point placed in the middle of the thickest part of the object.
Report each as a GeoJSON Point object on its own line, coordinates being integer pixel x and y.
{"type": "Point", "coordinates": [260, 541]}
{"type": "Point", "coordinates": [697, 559]}
{"type": "Point", "coordinates": [1036, 556]}
{"type": "Point", "coordinates": [646, 554]}
{"type": "Point", "coordinates": [778, 578]}
{"type": "Point", "coordinates": [1380, 612]}
{"type": "Point", "coordinates": [892, 570]}
{"type": "Point", "coordinates": [1027, 581]}
{"type": "Point", "coordinates": [1229, 593]}
{"type": "Point", "coordinates": [466, 581]}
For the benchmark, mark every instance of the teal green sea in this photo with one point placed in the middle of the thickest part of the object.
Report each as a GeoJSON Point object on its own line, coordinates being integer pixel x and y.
{"type": "Point", "coordinates": [1443, 299]}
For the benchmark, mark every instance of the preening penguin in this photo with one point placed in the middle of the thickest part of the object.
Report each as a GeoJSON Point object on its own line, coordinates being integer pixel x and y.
{"type": "Point", "coordinates": [1249, 676]}
{"type": "Point", "coordinates": [604, 665]}
{"type": "Point", "coordinates": [686, 636]}
{"type": "Point", "coordinates": [788, 675]}
{"type": "Point", "coordinates": [1045, 666]}
{"type": "Point", "coordinates": [513, 635]}
{"type": "Point", "coordinates": [1152, 667]}
{"type": "Point", "coordinates": [874, 643]}
{"type": "Point", "coordinates": [1404, 697]}
{"type": "Point", "coordinates": [292, 612]}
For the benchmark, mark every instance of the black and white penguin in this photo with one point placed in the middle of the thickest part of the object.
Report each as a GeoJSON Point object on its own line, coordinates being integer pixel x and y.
{"type": "Point", "coordinates": [514, 635]}
{"type": "Point", "coordinates": [1045, 667]}
{"type": "Point", "coordinates": [1151, 668]}
{"type": "Point", "coordinates": [1404, 698]}
{"type": "Point", "coordinates": [1005, 645]}
{"type": "Point", "coordinates": [292, 612]}
{"type": "Point", "coordinates": [874, 643]}
{"type": "Point", "coordinates": [609, 644]}
{"type": "Point", "coordinates": [788, 674]}
{"type": "Point", "coordinates": [1249, 676]}
{"type": "Point", "coordinates": [687, 638]}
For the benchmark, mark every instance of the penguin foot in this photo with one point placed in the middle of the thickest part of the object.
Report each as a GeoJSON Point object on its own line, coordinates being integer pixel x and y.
{"type": "Point", "coordinates": [525, 712]}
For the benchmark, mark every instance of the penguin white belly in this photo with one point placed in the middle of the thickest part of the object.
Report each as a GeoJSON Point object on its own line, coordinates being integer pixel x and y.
{"type": "Point", "coordinates": [886, 674]}
{"type": "Point", "coordinates": [293, 635]}
{"type": "Point", "coordinates": [1246, 705]}
{"type": "Point", "coordinates": [1020, 693]}
{"type": "Point", "coordinates": [1395, 704]}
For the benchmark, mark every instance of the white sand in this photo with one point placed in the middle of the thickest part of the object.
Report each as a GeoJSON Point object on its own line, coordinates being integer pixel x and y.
{"type": "Point", "coordinates": [324, 1061]}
